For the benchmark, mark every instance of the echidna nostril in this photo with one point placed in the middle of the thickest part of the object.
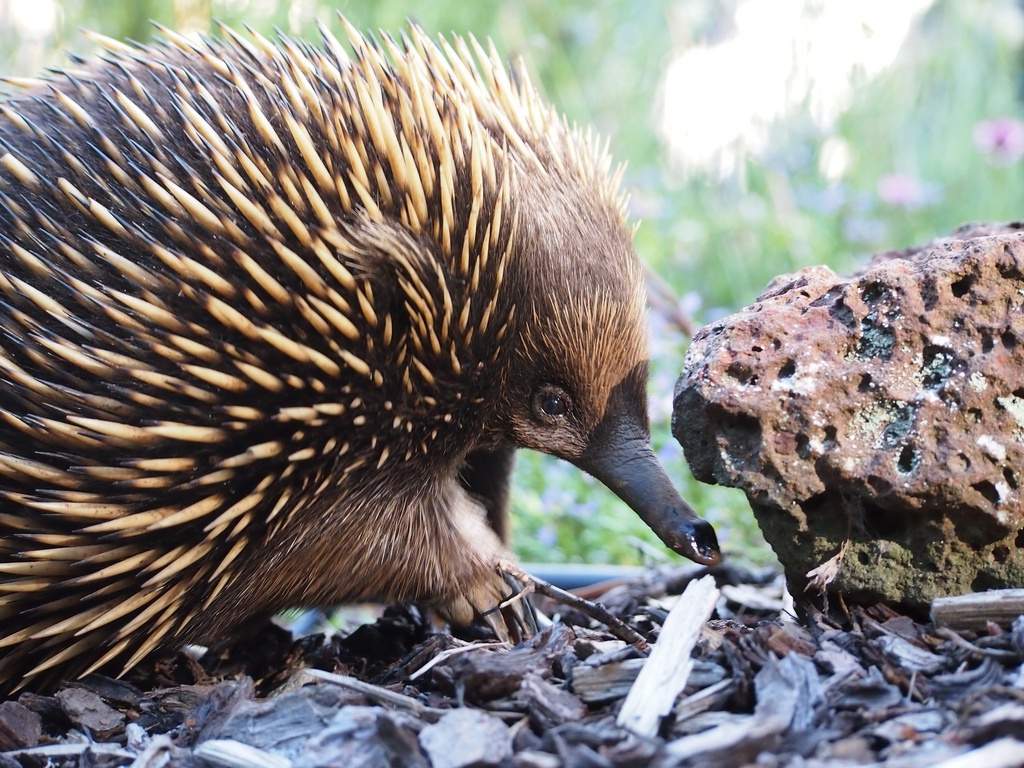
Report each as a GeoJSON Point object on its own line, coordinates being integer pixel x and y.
{"type": "Point", "coordinates": [704, 542]}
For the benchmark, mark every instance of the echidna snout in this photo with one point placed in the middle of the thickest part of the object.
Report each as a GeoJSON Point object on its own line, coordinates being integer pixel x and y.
{"type": "Point", "coordinates": [576, 386]}
{"type": "Point", "coordinates": [618, 453]}
{"type": "Point", "coordinates": [621, 458]}
{"type": "Point", "coordinates": [274, 319]}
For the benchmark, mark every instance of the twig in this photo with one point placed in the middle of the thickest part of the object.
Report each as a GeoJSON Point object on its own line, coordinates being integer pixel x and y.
{"type": "Point", "coordinates": [911, 688]}
{"type": "Point", "coordinates": [967, 645]}
{"type": "Point", "coordinates": [526, 590]}
{"type": "Point", "coordinates": [70, 750]}
{"type": "Point", "coordinates": [889, 713]}
{"type": "Point", "coordinates": [594, 610]}
{"type": "Point", "coordinates": [663, 300]}
{"type": "Point", "coordinates": [228, 753]}
{"type": "Point", "coordinates": [378, 694]}
{"type": "Point", "coordinates": [445, 655]}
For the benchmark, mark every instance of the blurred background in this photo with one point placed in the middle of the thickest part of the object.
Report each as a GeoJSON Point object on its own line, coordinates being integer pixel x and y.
{"type": "Point", "coordinates": [761, 136]}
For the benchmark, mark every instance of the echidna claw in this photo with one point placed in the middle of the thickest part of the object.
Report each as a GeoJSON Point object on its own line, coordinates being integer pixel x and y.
{"type": "Point", "coordinates": [526, 615]}
{"type": "Point", "coordinates": [518, 616]}
{"type": "Point", "coordinates": [500, 600]}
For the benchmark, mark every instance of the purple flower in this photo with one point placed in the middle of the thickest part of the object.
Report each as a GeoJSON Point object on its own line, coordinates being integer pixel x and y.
{"type": "Point", "coordinates": [668, 454]}
{"type": "Point", "coordinates": [864, 230]}
{"type": "Point", "coordinates": [824, 200]}
{"type": "Point", "coordinates": [547, 536]}
{"type": "Point", "coordinates": [555, 499]}
{"type": "Point", "coordinates": [901, 190]}
{"type": "Point", "coordinates": [1002, 139]}
{"type": "Point", "coordinates": [582, 511]}
{"type": "Point", "coordinates": [662, 384]}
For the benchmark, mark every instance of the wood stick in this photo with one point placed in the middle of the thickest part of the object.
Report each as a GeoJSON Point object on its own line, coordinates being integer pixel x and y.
{"type": "Point", "coordinates": [445, 655]}
{"type": "Point", "coordinates": [71, 750]}
{"type": "Point", "coordinates": [1001, 753]}
{"type": "Point", "coordinates": [228, 753]}
{"type": "Point", "coordinates": [974, 611]}
{"type": "Point", "coordinates": [380, 695]}
{"type": "Point", "coordinates": [992, 653]}
{"type": "Point", "coordinates": [596, 611]}
{"type": "Point", "coordinates": [664, 675]}
{"type": "Point", "coordinates": [705, 699]}
{"type": "Point", "coordinates": [662, 299]}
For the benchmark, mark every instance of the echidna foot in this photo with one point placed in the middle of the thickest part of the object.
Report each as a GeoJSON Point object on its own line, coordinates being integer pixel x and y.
{"type": "Point", "coordinates": [497, 598]}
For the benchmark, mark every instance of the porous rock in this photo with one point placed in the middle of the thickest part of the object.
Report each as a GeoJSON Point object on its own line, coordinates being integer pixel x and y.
{"type": "Point", "coordinates": [884, 409]}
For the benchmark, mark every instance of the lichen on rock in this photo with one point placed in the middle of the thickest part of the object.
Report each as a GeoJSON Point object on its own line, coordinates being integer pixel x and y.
{"type": "Point", "coordinates": [885, 409]}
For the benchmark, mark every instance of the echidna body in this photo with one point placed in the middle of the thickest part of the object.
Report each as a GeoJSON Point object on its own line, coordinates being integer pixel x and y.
{"type": "Point", "coordinates": [273, 320]}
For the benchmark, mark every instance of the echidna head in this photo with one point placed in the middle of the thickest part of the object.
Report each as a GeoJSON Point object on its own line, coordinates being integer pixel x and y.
{"type": "Point", "coordinates": [577, 388]}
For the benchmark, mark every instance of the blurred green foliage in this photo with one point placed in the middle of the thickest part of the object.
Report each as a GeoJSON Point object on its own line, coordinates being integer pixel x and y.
{"type": "Point", "coordinates": [912, 172]}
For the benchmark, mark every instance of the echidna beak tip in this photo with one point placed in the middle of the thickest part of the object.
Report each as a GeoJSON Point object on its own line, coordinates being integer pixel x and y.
{"type": "Point", "coordinates": [701, 543]}
{"type": "Point", "coordinates": [623, 460]}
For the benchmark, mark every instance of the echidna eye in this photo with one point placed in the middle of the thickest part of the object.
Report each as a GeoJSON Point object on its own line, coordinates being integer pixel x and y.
{"type": "Point", "coordinates": [554, 405]}
{"type": "Point", "coordinates": [551, 402]}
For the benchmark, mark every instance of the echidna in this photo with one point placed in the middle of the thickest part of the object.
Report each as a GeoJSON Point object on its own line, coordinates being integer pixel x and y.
{"type": "Point", "coordinates": [274, 319]}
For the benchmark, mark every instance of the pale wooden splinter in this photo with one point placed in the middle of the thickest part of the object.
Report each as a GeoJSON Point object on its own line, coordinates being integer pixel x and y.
{"type": "Point", "coordinates": [664, 675]}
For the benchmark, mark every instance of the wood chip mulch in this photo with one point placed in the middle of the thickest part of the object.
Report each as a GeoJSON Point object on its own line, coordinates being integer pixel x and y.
{"type": "Point", "coordinates": [763, 689]}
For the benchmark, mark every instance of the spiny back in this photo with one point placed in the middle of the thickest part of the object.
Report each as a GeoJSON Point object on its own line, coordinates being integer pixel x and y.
{"type": "Point", "coordinates": [234, 275]}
